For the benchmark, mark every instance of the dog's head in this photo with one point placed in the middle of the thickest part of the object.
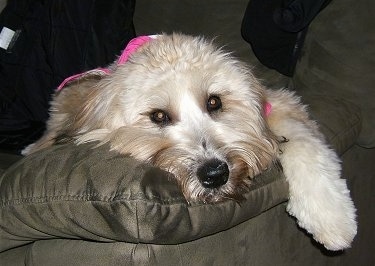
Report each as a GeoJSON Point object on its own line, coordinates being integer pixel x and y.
{"type": "Point", "coordinates": [189, 108]}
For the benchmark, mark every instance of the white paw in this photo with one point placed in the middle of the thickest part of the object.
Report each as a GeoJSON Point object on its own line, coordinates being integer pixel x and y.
{"type": "Point", "coordinates": [329, 216]}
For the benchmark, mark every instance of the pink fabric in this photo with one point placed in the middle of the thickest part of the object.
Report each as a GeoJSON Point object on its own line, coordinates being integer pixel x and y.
{"type": "Point", "coordinates": [267, 108]}
{"type": "Point", "coordinates": [132, 47]}
{"type": "Point", "coordinates": [129, 49]}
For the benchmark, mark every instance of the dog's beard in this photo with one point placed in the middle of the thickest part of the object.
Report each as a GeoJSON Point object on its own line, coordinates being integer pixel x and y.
{"type": "Point", "coordinates": [245, 159]}
{"type": "Point", "coordinates": [243, 163]}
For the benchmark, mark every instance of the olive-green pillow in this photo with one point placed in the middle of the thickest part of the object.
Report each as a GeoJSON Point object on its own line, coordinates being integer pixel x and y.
{"type": "Point", "coordinates": [82, 192]}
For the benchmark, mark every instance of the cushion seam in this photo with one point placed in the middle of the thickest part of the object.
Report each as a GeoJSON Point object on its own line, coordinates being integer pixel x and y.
{"type": "Point", "coordinates": [87, 198]}
{"type": "Point", "coordinates": [349, 129]}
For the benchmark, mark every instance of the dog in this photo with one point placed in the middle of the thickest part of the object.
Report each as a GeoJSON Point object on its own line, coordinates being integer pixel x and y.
{"type": "Point", "coordinates": [186, 106]}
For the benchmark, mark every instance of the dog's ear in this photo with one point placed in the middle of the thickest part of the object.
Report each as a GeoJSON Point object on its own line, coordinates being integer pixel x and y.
{"type": "Point", "coordinates": [75, 103]}
{"type": "Point", "coordinates": [66, 117]}
{"type": "Point", "coordinates": [85, 81]}
{"type": "Point", "coordinates": [82, 78]}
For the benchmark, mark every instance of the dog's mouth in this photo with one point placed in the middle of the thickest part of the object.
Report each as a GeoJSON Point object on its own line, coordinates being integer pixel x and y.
{"type": "Point", "coordinates": [216, 180]}
{"type": "Point", "coordinates": [212, 178]}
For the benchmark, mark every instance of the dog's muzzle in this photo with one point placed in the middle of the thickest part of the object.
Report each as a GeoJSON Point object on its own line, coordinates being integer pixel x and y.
{"type": "Point", "coordinates": [213, 173]}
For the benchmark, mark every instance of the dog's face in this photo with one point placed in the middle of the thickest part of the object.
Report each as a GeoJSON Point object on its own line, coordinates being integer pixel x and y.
{"type": "Point", "coordinates": [186, 107]}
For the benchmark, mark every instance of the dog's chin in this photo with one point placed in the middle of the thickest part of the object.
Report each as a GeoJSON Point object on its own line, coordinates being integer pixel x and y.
{"type": "Point", "coordinates": [232, 190]}
{"type": "Point", "coordinates": [239, 182]}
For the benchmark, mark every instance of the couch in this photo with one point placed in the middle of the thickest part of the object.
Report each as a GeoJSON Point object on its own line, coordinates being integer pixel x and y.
{"type": "Point", "coordinates": [74, 205]}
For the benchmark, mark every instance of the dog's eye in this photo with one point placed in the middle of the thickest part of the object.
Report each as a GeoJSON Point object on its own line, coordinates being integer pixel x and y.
{"type": "Point", "coordinates": [160, 117]}
{"type": "Point", "coordinates": [213, 103]}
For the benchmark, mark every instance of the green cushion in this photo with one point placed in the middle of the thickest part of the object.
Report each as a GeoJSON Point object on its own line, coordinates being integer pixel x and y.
{"type": "Point", "coordinates": [338, 59]}
{"type": "Point", "coordinates": [339, 120]}
{"type": "Point", "coordinates": [81, 192]}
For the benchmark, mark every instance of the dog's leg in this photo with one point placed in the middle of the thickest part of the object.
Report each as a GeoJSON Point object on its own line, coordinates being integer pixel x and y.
{"type": "Point", "coordinates": [319, 199]}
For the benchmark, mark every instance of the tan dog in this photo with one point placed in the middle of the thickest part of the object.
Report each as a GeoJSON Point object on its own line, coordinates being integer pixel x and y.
{"type": "Point", "coordinates": [181, 104]}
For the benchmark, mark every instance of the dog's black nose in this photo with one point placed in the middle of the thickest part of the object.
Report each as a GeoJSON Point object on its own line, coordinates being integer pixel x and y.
{"type": "Point", "coordinates": [213, 173]}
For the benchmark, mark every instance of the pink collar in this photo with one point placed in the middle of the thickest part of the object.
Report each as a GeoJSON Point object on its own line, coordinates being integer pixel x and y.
{"type": "Point", "coordinates": [132, 46]}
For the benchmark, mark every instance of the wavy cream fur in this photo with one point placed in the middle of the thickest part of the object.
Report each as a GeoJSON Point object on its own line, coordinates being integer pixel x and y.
{"type": "Point", "coordinates": [177, 74]}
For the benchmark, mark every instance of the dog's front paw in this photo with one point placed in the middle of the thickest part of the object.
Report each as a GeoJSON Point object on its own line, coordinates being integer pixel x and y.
{"type": "Point", "coordinates": [328, 216]}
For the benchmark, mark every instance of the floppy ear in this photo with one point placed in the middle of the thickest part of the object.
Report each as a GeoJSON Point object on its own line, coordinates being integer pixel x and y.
{"type": "Point", "coordinates": [68, 103]}
{"type": "Point", "coordinates": [84, 103]}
